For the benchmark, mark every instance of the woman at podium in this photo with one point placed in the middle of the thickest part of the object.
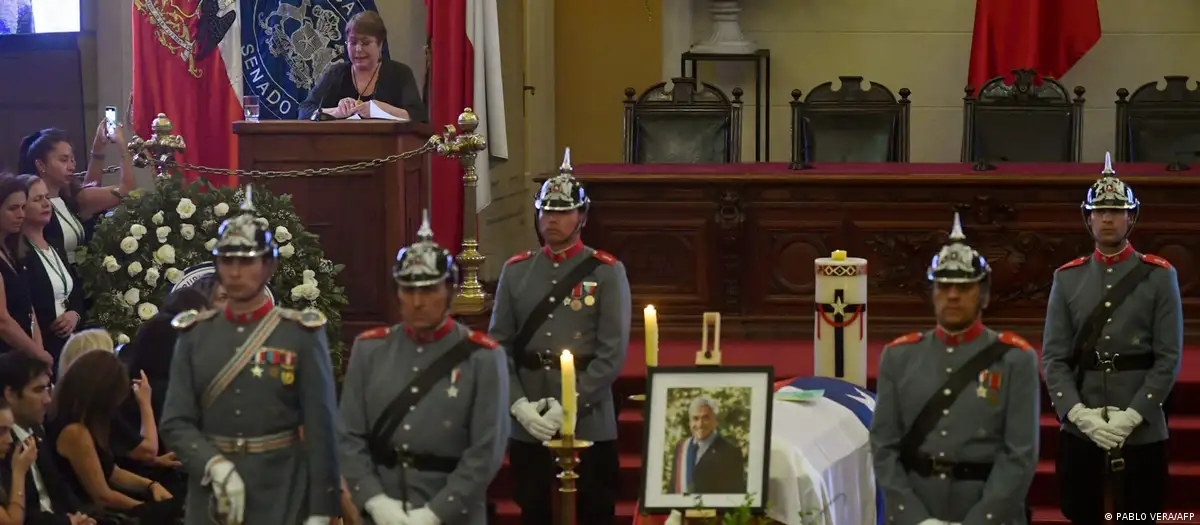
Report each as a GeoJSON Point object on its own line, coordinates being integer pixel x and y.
{"type": "Point", "coordinates": [348, 88]}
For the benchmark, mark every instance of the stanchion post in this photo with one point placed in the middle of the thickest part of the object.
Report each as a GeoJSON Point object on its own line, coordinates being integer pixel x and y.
{"type": "Point", "coordinates": [465, 145]}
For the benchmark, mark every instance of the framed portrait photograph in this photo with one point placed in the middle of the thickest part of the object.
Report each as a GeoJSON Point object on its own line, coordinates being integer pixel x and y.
{"type": "Point", "coordinates": [708, 438]}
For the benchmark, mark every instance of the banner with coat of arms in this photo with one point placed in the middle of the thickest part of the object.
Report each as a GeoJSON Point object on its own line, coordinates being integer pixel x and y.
{"type": "Point", "coordinates": [288, 44]}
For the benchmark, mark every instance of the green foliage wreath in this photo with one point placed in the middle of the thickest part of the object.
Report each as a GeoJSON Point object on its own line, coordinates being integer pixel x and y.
{"type": "Point", "coordinates": [141, 249]}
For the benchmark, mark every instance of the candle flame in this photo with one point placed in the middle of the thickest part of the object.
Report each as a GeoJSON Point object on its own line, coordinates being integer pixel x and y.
{"type": "Point", "coordinates": [649, 308]}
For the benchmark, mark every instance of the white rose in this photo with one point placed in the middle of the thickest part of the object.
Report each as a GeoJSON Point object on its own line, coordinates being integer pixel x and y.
{"type": "Point", "coordinates": [298, 292]}
{"type": "Point", "coordinates": [282, 234]}
{"type": "Point", "coordinates": [221, 209]}
{"type": "Point", "coordinates": [157, 218]}
{"type": "Point", "coordinates": [308, 275]}
{"type": "Point", "coordinates": [165, 254]}
{"type": "Point", "coordinates": [129, 245]}
{"type": "Point", "coordinates": [134, 268]}
{"type": "Point", "coordinates": [287, 251]}
{"type": "Point", "coordinates": [162, 232]}
{"type": "Point", "coordinates": [210, 244]}
{"type": "Point", "coordinates": [261, 222]}
{"type": "Point", "coordinates": [174, 275]}
{"type": "Point", "coordinates": [187, 231]}
{"type": "Point", "coordinates": [122, 339]}
{"type": "Point", "coordinates": [146, 311]}
{"type": "Point", "coordinates": [110, 264]}
{"type": "Point", "coordinates": [137, 231]}
{"type": "Point", "coordinates": [311, 292]}
{"type": "Point", "coordinates": [152, 276]}
{"type": "Point", "coordinates": [132, 296]}
{"type": "Point", "coordinates": [185, 209]}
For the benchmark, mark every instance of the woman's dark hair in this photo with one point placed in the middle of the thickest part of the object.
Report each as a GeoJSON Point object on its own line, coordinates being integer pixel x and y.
{"type": "Point", "coordinates": [154, 345]}
{"type": "Point", "coordinates": [368, 23]}
{"type": "Point", "coordinates": [38, 147]}
{"type": "Point", "coordinates": [90, 392]}
{"type": "Point", "coordinates": [28, 180]}
{"type": "Point", "coordinates": [206, 285]}
{"type": "Point", "coordinates": [185, 299]}
{"type": "Point", "coordinates": [10, 184]}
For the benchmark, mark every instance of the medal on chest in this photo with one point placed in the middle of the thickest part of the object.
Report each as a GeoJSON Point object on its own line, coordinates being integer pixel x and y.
{"type": "Point", "coordinates": [453, 390]}
{"type": "Point", "coordinates": [989, 387]}
{"type": "Point", "coordinates": [577, 297]}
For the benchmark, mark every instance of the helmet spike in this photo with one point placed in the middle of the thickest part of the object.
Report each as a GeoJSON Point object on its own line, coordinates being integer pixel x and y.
{"type": "Point", "coordinates": [248, 202]}
{"type": "Point", "coordinates": [566, 164]}
{"type": "Point", "coordinates": [956, 233]}
{"type": "Point", "coordinates": [425, 232]}
{"type": "Point", "coordinates": [1108, 169]}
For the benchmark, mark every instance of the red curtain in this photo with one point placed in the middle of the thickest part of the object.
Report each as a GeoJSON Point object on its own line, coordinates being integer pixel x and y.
{"type": "Point", "coordinates": [450, 84]}
{"type": "Point", "coordinates": [1048, 36]}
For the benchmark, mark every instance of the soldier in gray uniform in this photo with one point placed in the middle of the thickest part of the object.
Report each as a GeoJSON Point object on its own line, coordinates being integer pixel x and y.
{"type": "Point", "coordinates": [955, 433]}
{"type": "Point", "coordinates": [424, 404]}
{"type": "Point", "coordinates": [564, 296]}
{"type": "Point", "coordinates": [1113, 337]}
{"type": "Point", "coordinates": [243, 382]}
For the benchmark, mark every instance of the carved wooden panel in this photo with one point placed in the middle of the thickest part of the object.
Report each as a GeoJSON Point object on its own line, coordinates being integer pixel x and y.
{"type": "Point", "coordinates": [751, 239]}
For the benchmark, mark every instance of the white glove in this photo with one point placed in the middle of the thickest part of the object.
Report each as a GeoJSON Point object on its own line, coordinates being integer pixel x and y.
{"type": "Point", "coordinates": [230, 490]}
{"type": "Point", "coordinates": [676, 518]}
{"type": "Point", "coordinates": [1123, 422]}
{"type": "Point", "coordinates": [1094, 427]}
{"type": "Point", "coordinates": [317, 520]}
{"type": "Point", "coordinates": [527, 415]}
{"type": "Point", "coordinates": [934, 521]}
{"type": "Point", "coordinates": [423, 516]}
{"type": "Point", "coordinates": [554, 414]}
{"type": "Point", "coordinates": [386, 511]}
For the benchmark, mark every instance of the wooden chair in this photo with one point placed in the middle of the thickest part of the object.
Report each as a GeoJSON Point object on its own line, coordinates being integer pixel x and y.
{"type": "Point", "coordinates": [683, 122]}
{"type": "Point", "coordinates": [849, 124]}
{"type": "Point", "coordinates": [1025, 121]}
{"type": "Point", "coordinates": [1159, 125]}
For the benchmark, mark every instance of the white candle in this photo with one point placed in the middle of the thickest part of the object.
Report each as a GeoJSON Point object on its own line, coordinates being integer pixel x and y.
{"type": "Point", "coordinates": [651, 329]}
{"type": "Point", "coordinates": [568, 393]}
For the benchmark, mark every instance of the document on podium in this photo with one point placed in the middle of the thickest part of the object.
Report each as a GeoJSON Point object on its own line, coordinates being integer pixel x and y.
{"type": "Point", "coordinates": [377, 112]}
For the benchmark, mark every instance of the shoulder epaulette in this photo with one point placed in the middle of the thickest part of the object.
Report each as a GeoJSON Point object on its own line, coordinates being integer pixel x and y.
{"type": "Point", "coordinates": [1012, 339]}
{"type": "Point", "coordinates": [376, 333]}
{"type": "Point", "coordinates": [1073, 263]}
{"type": "Point", "coordinates": [1156, 260]}
{"type": "Point", "coordinates": [906, 339]}
{"type": "Point", "coordinates": [483, 339]}
{"type": "Point", "coordinates": [523, 256]}
{"type": "Point", "coordinates": [184, 321]}
{"type": "Point", "coordinates": [606, 257]}
{"type": "Point", "coordinates": [309, 318]}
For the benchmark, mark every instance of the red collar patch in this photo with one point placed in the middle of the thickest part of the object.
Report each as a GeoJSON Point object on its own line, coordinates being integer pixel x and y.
{"type": "Point", "coordinates": [565, 254]}
{"type": "Point", "coordinates": [431, 336]}
{"type": "Point", "coordinates": [252, 316]}
{"type": "Point", "coordinates": [1109, 260]}
{"type": "Point", "coordinates": [963, 337]}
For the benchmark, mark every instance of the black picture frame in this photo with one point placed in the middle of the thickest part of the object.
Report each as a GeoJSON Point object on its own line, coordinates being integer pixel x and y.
{"type": "Point", "coordinates": [655, 497]}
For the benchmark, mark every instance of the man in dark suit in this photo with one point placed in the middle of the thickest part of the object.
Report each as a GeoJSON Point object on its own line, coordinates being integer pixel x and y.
{"type": "Point", "coordinates": [25, 383]}
{"type": "Point", "coordinates": [706, 462]}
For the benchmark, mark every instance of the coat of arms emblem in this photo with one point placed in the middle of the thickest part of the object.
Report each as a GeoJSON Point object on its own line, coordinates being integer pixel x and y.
{"type": "Point", "coordinates": [306, 36]}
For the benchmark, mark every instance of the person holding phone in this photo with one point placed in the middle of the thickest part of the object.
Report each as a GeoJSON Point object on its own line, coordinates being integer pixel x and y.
{"type": "Point", "coordinates": [20, 456]}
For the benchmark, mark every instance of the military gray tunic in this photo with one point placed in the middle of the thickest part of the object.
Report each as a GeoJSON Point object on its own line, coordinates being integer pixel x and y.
{"type": "Point", "coordinates": [1150, 321]}
{"type": "Point", "coordinates": [598, 330]}
{"type": "Point", "coordinates": [284, 486]}
{"type": "Point", "coordinates": [994, 420]}
{"type": "Point", "coordinates": [464, 416]}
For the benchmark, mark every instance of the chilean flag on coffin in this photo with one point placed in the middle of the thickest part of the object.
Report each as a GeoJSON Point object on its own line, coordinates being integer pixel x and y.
{"type": "Point", "coordinates": [187, 65]}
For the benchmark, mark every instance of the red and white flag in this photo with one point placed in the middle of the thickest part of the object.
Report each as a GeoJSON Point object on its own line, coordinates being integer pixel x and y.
{"type": "Point", "coordinates": [187, 64]}
{"type": "Point", "coordinates": [464, 39]}
{"type": "Point", "coordinates": [1048, 37]}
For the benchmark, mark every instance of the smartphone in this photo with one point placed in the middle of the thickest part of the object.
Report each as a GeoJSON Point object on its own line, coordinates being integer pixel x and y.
{"type": "Point", "coordinates": [110, 120]}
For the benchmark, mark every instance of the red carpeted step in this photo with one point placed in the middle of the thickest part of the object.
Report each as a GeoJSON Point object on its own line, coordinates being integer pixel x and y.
{"type": "Point", "coordinates": [508, 513]}
{"type": "Point", "coordinates": [1185, 432]}
{"type": "Point", "coordinates": [1183, 486]}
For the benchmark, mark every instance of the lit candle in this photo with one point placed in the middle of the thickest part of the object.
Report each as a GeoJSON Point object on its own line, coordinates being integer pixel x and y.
{"type": "Point", "coordinates": [568, 393]}
{"type": "Point", "coordinates": [651, 336]}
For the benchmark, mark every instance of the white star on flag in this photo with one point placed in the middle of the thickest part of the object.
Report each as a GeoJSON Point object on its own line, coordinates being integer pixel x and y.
{"type": "Point", "coordinates": [865, 399]}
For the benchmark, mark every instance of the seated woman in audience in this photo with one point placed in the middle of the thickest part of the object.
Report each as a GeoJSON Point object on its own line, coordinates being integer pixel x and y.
{"type": "Point", "coordinates": [18, 329]}
{"type": "Point", "coordinates": [18, 459]}
{"type": "Point", "coordinates": [54, 286]}
{"type": "Point", "coordinates": [151, 351]}
{"type": "Point", "coordinates": [78, 432]}
{"type": "Point", "coordinates": [48, 155]}
{"type": "Point", "coordinates": [212, 289]}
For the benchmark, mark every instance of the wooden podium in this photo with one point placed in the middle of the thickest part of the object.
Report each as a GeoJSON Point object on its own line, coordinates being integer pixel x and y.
{"type": "Point", "coordinates": [363, 217]}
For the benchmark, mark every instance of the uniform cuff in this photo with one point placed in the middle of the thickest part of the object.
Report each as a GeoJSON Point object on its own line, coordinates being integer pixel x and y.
{"type": "Point", "coordinates": [363, 490]}
{"type": "Point", "coordinates": [1146, 402]}
{"type": "Point", "coordinates": [1063, 402]}
{"type": "Point", "coordinates": [447, 506]}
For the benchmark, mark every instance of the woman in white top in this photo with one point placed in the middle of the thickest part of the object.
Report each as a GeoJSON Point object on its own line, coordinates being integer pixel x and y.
{"type": "Point", "coordinates": [54, 288]}
{"type": "Point", "coordinates": [48, 155]}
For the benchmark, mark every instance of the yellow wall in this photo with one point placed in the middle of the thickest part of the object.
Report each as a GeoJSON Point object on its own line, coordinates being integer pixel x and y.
{"type": "Point", "coordinates": [601, 48]}
{"type": "Point", "coordinates": [925, 45]}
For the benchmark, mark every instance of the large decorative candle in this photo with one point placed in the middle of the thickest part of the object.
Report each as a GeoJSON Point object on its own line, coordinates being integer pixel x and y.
{"type": "Point", "coordinates": [568, 394]}
{"type": "Point", "coordinates": [651, 330]}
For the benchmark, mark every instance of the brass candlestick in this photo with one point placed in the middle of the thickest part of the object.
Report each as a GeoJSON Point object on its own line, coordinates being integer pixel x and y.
{"type": "Point", "coordinates": [465, 145]}
{"type": "Point", "coordinates": [566, 451]}
{"type": "Point", "coordinates": [160, 149]}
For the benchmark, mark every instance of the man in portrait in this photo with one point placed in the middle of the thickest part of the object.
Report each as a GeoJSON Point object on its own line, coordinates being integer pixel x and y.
{"type": "Point", "coordinates": [706, 462]}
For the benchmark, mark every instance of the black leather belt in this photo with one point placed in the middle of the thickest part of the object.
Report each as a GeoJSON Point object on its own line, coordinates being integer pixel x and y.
{"type": "Point", "coordinates": [427, 463]}
{"type": "Point", "coordinates": [550, 360]}
{"type": "Point", "coordinates": [927, 467]}
{"type": "Point", "coordinates": [1118, 362]}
